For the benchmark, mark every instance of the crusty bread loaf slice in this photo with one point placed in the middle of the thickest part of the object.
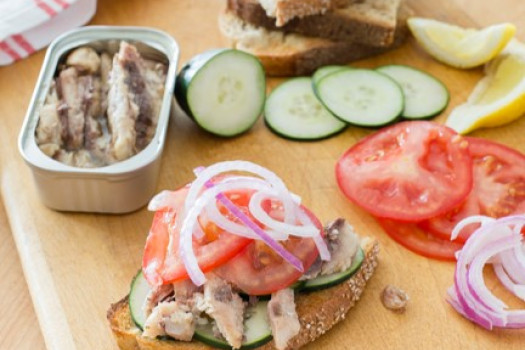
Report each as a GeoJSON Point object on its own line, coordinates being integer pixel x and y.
{"type": "Point", "coordinates": [293, 54]}
{"type": "Point", "coordinates": [369, 22]}
{"type": "Point", "coordinates": [285, 10]}
{"type": "Point", "coordinates": [318, 312]}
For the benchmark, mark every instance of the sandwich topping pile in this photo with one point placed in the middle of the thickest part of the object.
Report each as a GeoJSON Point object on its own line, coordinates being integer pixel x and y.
{"type": "Point", "coordinates": [101, 109]}
{"type": "Point", "coordinates": [234, 259]}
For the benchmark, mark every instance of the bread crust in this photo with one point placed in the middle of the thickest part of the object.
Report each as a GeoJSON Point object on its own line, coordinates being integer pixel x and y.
{"type": "Point", "coordinates": [285, 10]}
{"type": "Point", "coordinates": [369, 22]}
{"type": "Point", "coordinates": [293, 54]}
{"type": "Point", "coordinates": [318, 312]}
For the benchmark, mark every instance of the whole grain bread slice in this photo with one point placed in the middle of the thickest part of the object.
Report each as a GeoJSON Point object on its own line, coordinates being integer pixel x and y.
{"type": "Point", "coordinates": [285, 10]}
{"type": "Point", "coordinates": [368, 22]}
{"type": "Point", "coordinates": [293, 54]}
{"type": "Point", "coordinates": [318, 312]}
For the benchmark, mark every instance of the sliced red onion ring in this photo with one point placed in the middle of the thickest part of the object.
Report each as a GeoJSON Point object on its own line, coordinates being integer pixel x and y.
{"type": "Point", "coordinates": [511, 261]}
{"type": "Point", "coordinates": [243, 166]}
{"type": "Point", "coordinates": [320, 243]}
{"type": "Point", "coordinates": [475, 219]}
{"type": "Point", "coordinates": [257, 211]}
{"type": "Point", "coordinates": [516, 289]}
{"type": "Point", "coordinates": [190, 219]}
{"type": "Point", "coordinates": [226, 224]}
{"type": "Point", "coordinates": [475, 272]}
{"type": "Point", "coordinates": [161, 200]}
{"type": "Point", "coordinates": [494, 242]}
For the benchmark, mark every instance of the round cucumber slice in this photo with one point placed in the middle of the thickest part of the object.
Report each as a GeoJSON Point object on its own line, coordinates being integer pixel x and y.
{"type": "Point", "coordinates": [324, 71]}
{"type": "Point", "coordinates": [362, 97]}
{"type": "Point", "coordinates": [425, 95]}
{"type": "Point", "coordinates": [257, 329]}
{"type": "Point", "coordinates": [293, 111]}
{"type": "Point", "coordinates": [137, 295]}
{"type": "Point", "coordinates": [327, 281]}
{"type": "Point", "coordinates": [222, 90]}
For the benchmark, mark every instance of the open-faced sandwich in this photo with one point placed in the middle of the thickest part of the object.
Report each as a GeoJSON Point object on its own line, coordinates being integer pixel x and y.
{"type": "Point", "coordinates": [234, 260]}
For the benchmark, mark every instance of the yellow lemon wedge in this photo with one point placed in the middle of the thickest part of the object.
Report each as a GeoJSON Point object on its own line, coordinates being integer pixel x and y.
{"type": "Point", "coordinates": [460, 47]}
{"type": "Point", "coordinates": [499, 97]}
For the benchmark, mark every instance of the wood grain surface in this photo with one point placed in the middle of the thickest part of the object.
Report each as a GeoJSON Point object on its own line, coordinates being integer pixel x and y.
{"type": "Point", "coordinates": [77, 264]}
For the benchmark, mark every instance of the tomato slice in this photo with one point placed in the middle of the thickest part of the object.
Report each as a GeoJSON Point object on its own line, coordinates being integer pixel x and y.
{"type": "Point", "coordinates": [161, 261]}
{"type": "Point", "coordinates": [415, 239]}
{"type": "Point", "coordinates": [498, 190]}
{"type": "Point", "coordinates": [410, 171]}
{"type": "Point", "coordinates": [258, 270]}
{"type": "Point", "coordinates": [158, 237]}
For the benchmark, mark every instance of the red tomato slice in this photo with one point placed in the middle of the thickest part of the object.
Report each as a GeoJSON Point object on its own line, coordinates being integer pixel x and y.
{"type": "Point", "coordinates": [410, 171]}
{"type": "Point", "coordinates": [498, 190]}
{"type": "Point", "coordinates": [161, 261]}
{"type": "Point", "coordinates": [158, 238]}
{"type": "Point", "coordinates": [258, 270]}
{"type": "Point", "coordinates": [412, 237]}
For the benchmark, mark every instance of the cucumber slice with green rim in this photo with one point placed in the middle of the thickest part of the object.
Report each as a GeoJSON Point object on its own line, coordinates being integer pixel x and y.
{"type": "Point", "coordinates": [222, 90]}
{"type": "Point", "coordinates": [362, 97]}
{"type": "Point", "coordinates": [324, 71]}
{"type": "Point", "coordinates": [137, 295]}
{"type": "Point", "coordinates": [327, 281]}
{"type": "Point", "coordinates": [257, 330]}
{"type": "Point", "coordinates": [256, 327]}
{"type": "Point", "coordinates": [293, 111]}
{"type": "Point", "coordinates": [425, 95]}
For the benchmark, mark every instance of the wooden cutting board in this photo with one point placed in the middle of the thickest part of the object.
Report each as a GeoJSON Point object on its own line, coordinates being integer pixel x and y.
{"type": "Point", "coordinates": [77, 264]}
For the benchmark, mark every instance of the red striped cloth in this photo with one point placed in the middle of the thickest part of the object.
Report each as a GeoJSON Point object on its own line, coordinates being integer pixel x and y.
{"type": "Point", "coordinates": [30, 25]}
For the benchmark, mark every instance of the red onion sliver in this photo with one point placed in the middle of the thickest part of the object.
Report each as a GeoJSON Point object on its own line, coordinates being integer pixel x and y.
{"type": "Point", "coordinates": [512, 264]}
{"type": "Point", "coordinates": [161, 200]}
{"type": "Point", "coordinates": [218, 168]}
{"type": "Point", "coordinates": [226, 224]}
{"type": "Point", "coordinates": [320, 243]}
{"type": "Point", "coordinates": [279, 249]}
{"type": "Point", "coordinates": [185, 240]}
{"type": "Point", "coordinates": [475, 272]}
{"type": "Point", "coordinates": [516, 289]}
{"type": "Point", "coordinates": [496, 241]}
{"type": "Point", "coordinates": [263, 217]}
{"type": "Point", "coordinates": [475, 219]}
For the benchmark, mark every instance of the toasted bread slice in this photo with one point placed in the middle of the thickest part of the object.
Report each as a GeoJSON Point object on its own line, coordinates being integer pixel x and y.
{"type": "Point", "coordinates": [318, 312]}
{"type": "Point", "coordinates": [293, 54]}
{"type": "Point", "coordinates": [285, 10]}
{"type": "Point", "coordinates": [368, 22]}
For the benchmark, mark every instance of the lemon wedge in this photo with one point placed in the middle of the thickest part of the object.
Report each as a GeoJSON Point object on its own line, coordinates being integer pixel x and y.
{"type": "Point", "coordinates": [499, 97]}
{"type": "Point", "coordinates": [460, 47]}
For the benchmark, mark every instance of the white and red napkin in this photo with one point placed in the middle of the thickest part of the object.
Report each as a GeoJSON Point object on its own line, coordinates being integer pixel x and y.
{"type": "Point", "coordinates": [29, 25]}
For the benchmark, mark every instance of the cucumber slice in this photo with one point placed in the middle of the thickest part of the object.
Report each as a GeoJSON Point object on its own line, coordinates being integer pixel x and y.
{"type": "Point", "coordinates": [362, 97]}
{"type": "Point", "coordinates": [257, 330]}
{"type": "Point", "coordinates": [324, 71]}
{"type": "Point", "coordinates": [137, 295]}
{"type": "Point", "coordinates": [293, 111]}
{"type": "Point", "coordinates": [327, 281]}
{"type": "Point", "coordinates": [222, 90]}
{"type": "Point", "coordinates": [425, 95]}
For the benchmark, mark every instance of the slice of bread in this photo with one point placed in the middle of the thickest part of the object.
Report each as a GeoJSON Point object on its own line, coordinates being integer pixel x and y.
{"type": "Point", "coordinates": [285, 10]}
{"type": "Point", "coordinates": [318, 312]}
{"type": "Point", "coordinates": [293, 54]}
{"type": "Point", "coordinates": [368, 22]}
